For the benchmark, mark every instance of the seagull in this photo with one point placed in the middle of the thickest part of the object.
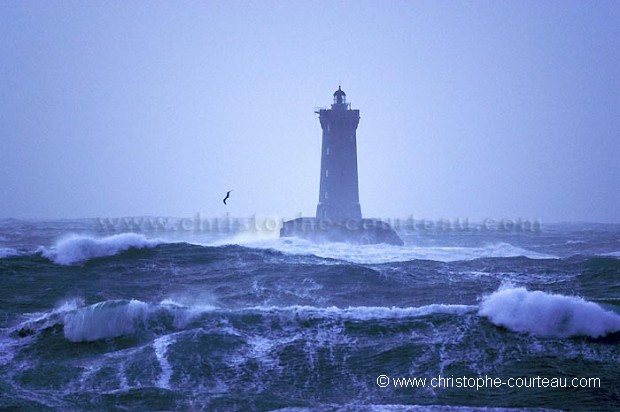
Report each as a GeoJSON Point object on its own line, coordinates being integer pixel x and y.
{"type": "Point", "coordinates": [227, 196]}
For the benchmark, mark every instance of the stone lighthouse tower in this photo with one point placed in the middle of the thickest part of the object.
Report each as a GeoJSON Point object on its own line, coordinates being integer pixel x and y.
{"type": "Point", "coordinates": [338, 214]}
{"type": "Point", "coordinates": [339, 193]}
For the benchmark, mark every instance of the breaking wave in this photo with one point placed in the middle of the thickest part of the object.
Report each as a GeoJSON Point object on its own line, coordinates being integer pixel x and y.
{"type": "Point", "coordinates": [367, 312]}
{"type": "Point", "coordinates": [546, 314]}
{"type": "Point", "coordinates": [114, 318]}
{"type": "Point", "coordinates": [78, 248]}
{"type": "Point", "coordinates": [107, 319]}
{"type": "Point", "coordinates": [517, 309]}
{"type": "Point", "coordinates": [383, 253]}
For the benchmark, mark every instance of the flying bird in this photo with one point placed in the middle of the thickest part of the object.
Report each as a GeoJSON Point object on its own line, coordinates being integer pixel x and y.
{"type": "Point", "coordinates": [227, 196]}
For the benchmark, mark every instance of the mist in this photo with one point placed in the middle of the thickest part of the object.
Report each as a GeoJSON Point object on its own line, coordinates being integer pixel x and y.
{"type": "Point", "coordinates": [502, 110]}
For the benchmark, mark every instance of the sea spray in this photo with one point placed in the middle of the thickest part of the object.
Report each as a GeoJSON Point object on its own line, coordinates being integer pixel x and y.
{"type": "Point", "coordinates": [107, 319]}
{"type": "Point", "coordinates": [383, 253]}
{"type": "Point", "coordinates": [547, 314]}
{"type": "Point", "coordinates": [79, 248]}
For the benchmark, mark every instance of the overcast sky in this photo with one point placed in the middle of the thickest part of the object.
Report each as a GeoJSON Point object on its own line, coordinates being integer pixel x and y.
{"type": "Point", "coordinates": [502, 109]}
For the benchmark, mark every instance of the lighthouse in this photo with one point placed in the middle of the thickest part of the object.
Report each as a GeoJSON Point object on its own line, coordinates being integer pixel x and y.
{"type": "Point", "coordinates": [339, 191]}
{"type": "Point", "coordinates": [338, 213]}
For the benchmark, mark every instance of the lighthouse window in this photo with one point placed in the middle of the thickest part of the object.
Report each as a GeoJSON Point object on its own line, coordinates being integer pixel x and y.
{"type": "Point", "coordinates": [327, 151]}
{"type": "Point", "coordinates": [328, 127]}
{"type": "Point", "coordinates": [326, 173]}
{"type": "Point", "coordinates": [326, 195]}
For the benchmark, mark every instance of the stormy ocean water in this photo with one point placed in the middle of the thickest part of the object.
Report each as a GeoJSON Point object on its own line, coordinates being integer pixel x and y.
{"type": "Point", "coordinates": [96, 319]}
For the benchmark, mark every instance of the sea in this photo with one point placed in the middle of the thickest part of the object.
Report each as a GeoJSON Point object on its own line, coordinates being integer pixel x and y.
{"type": "Point", "coordinates": [101, 316]}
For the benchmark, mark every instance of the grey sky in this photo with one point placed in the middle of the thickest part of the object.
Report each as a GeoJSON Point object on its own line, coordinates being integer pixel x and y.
{"type": "Point", "coordinates": [468, 109]}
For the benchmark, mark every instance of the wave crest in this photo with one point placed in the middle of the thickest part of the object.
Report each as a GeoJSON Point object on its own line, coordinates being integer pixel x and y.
{"type": "Point", "coordinates": [107, 319]}
{"type": "Point", "coordinates": [382, 253]}
{"type": "Point", "coordinates": [547, 314]}
{"type": "Point", "coordinates": [78, 248]}
{"type": "Point", "coordinates": [366, 313]}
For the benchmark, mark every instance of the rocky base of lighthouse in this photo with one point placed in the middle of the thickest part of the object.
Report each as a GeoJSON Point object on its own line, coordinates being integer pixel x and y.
{"type": "Point", "coordinates": [355, 231]}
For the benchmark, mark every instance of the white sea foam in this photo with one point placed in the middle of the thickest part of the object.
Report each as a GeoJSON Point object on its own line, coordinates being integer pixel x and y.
{"type": "Point", "coordinates": [160, 345]}
{"type": "Point", "coordinates": [8, 350]}
{"type": "Point", "coordinates": [106, 319]}
{"type": "Point", "coordinates": [383, 253]}
{"type": "Point", "coordinates": [366, 312]}
{"type": "Point", "coordinates": [547, 314]}
{"type": "Point", "coordinates": [78, 248]}
{"type": "Point", "coordinates": [352, 312]}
